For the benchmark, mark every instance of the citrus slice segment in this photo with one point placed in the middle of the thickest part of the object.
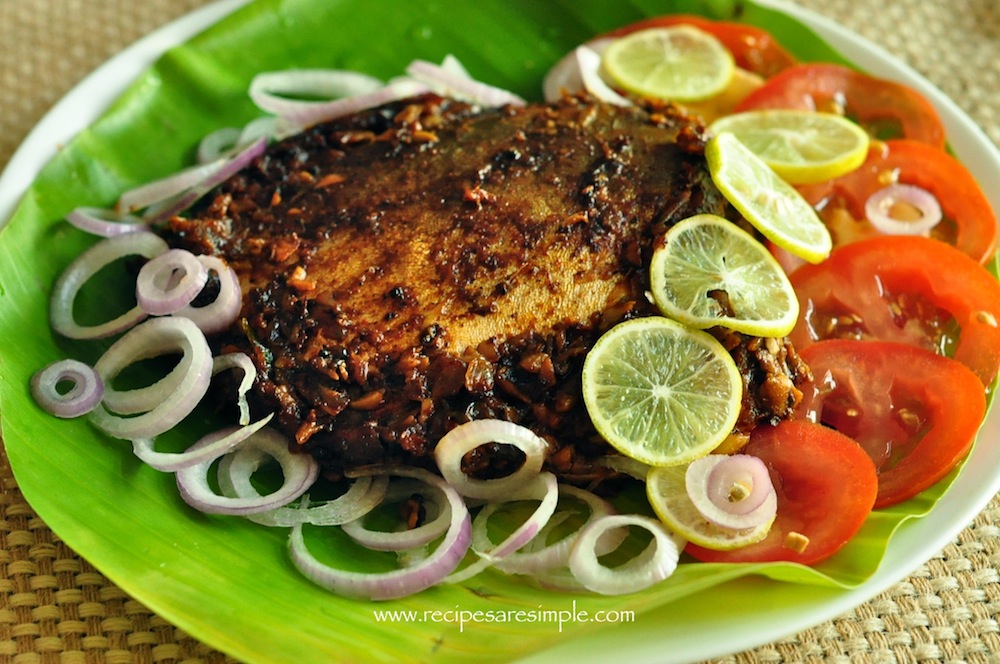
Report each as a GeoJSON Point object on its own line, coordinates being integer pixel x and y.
{"type": "Point", "coordinates": [803, 147]}
{"type": "Point", "coordinates": [772, 205]}
{"type": "Point", "coordinates": [661, 392]}
{"type": "Point", "coordinates": [667, 495]}
{"type": "Point", "coordinates": [708, 271]}
{"type": "Point", "coordinates": [680, 63]}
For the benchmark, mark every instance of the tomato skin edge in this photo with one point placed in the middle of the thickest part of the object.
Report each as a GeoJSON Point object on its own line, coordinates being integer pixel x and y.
{"type": "Point", "coordinates": [870, 99]}
{"type": "Point", "coordinates": [951, 418]}
{"type": "Point", "coordinates": [916, 163]}
{"type": "Point", "coordinates": [856, 274]}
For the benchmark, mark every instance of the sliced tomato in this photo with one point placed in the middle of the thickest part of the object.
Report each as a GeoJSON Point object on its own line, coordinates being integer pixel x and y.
{"type": "Point", "coordinates": [826, 487]}
{"type": "Point", "coordinates": [753, 49]}
{"type": "Point", "coordinates": [969, 220]}
{"type": "Point", "coordinates": [875, 103]}
{"type": "Point", "coordinates": [915, 413]}
{"type": "Point", "coordinates": [908, 289]}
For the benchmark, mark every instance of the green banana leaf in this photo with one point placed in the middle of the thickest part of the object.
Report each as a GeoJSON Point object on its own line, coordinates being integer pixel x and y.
{"type": "Point", "coordinates": [224, 580]}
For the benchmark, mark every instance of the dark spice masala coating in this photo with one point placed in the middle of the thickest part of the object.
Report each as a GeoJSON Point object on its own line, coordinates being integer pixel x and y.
{"type": "Point", "coordinates": [426, 263]}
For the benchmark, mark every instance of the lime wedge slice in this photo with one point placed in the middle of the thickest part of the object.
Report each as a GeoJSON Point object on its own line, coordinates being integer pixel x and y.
{"type": "Point", "coordinates": [803, 147]}
{"type": "Point", "coordinates": [680, 63]}
{"type": "Point", "coordinates": [661, 392]}
{"type": "Point", "coordinates": [709, 271]}
{"type": "Point", "coordinates": [772, 205]}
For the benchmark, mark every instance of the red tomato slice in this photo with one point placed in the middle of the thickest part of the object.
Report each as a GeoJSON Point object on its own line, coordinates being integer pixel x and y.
{"type": "Point", "coordinates": [753, 49]}
{"type": "Point", "coordinates": [891, 398]}
{"type": "Point", "coordinates": [873, 102]}
{"type": "Point", "coordinates": [969, 220]}
{"type": "Point", "coordinates": [826, 487]}
{"type": "Point", "coordinates": [908, 289]}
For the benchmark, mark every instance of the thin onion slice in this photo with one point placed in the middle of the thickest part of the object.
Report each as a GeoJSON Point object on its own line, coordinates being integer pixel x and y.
{"type": "Point", "coordinates": [447, 81]}
{"type": "Point", "coordinates": [589, 62]}
{"type": "Point", "coordinates": [85, 391]}
{"type": "Point", "coordinates": [292, 121]}
{"type": "Point", "coordinates": [732, 491]}
{"type": "Point", "coordinates": [365, 494]}
{"type": "Point", "coordinates": [625, 465]}
{"type": "Point", "coordinates": [538, 555]}
{"type": "Point", "coordinates": [240, 362]}
{"type": "Point", "coordinates": [207, 448]}
{"type": "Point", "coordinates": [105, 223]}
{"type": "Point", "coordinates": [170, 282]}
{"type": "Point", "coordinates": [657, 562]}
{"type": "Point", "coordinates": [543, 488]}
{"type": "Point", "coordinates": [299, 470]}
{"type": "Point", "coordinates": [275, 91]}
{"type": "Point", "coordinates": [224, 310]}
{"type": "Point", "coordinates": [163, 198]}
{"type": "Point", "coordinates": [400, 582]}
{"type": "Point", "coordinates": [218, 144]}
{"type": "Point", "coordinates": [83, 268]}
{"type": "Point", "coordinates": [880, 205]}
{"type": "Point", "coordinates": [175, 396]}
{"type": "Point", "coordinates": [468, 436]}
{"type": "Point", "coordinates": [167, 188]}
{"type": "Point", "coordinates": [566, 76]}
{"type": "Point", "coordinates": [410, 538]}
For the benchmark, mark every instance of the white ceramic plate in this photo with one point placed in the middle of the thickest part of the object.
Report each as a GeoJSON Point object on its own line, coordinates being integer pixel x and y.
{"type": "Point", "coordinates": [755, 611]}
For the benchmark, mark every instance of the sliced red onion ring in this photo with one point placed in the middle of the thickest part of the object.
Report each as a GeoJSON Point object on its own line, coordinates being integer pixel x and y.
{"type": "Point", "coordinates": [274, 92]}
{"type": "Point", "coordinates": [446, 82]}
{"type": "Point", "coordinates": [85, 391]}
{"type": "Point", "coordinates": [879, 210]}
{"type": "Point", "coordinates": [170, 282]}
{"type": "Point", "coordinates": [538, 555]}
{"type": "Point", "coordinates": [589, 62]}
{"type": "Point", "coordinates": [566, 76]}
{"type": "Point", "coordinates": [263, 127]}
{"type": "Point", "coordinates": [299, 470]}
{"type": "Point", "coordinates": [657, 562]}
{"type": "Point", "coordinates": [207, 448]}
{"type": "Point", "coordinates": [401, 582]}
{"type": "Point", "coordinates": [732, 491]}
{"type": "Point", "coordinates": [452, 64]}
{"type": "Point", "coordinates": [466, 437]}
{"type": "Point", "coordinates": [295, 120]}
{"type": "Point", "coordinates": [240, 362]}
{"type": "Point", "coordinates": [167, 188]}
{"type": "Point", "coordinates": [625, 465]}
{"type": "Point", "coordinates": [365, 494]}
{"type": "Point", "coordinates": [105, 223]}
{"type": "Point", "coordinates": [222, 312]}
{"type": "Point", "coordinates": [409, 538]}
{"type": "Point", "coordinates": [163, 198]}
{"type": "Point", "coordinates": [175, 396]}
{"type": "Point", "coordinates": [218, 144]}
{"type": "Point", "coordinates": [83, 268]}
{"type": "Point", "coordinates": [543, 488]}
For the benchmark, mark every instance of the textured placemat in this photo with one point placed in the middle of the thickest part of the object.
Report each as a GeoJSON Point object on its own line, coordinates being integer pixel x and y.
{"type": "Point", "coordinates": [55, 607]}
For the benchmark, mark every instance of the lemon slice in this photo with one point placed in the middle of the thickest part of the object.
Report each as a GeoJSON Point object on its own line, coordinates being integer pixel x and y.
{"type": "Point", "coordinates": [667, 495]}
{"type": "Point", "coordinates": [803, 147]}
{"type": "Point", "coordinates": [661, 392]}
{"type": "Point", "coordinates": [680, 63]}
{"type": "Point", "coordinates": [772, 205]}
{"type": "Point", "coordinates": [709, 271]}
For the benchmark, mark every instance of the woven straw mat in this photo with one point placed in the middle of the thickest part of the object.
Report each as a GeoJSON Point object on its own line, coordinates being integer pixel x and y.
{"type": "Point", "coordinates": [55, 607]}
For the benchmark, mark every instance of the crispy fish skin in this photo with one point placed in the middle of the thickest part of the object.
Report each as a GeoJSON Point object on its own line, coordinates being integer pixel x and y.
{"type": "Point", "coordinates": [427, 262]}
